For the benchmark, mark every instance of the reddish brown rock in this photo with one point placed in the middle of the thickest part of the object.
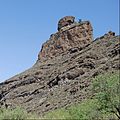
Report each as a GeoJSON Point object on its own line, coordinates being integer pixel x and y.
{"type": "Point", "coordinates": [68, 20]}
{"type": "Point", "coordinates": [71, 35]}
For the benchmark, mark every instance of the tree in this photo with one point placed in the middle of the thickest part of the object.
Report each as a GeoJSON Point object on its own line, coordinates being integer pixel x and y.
{"type": "Point", "coordinates": [107, 92]}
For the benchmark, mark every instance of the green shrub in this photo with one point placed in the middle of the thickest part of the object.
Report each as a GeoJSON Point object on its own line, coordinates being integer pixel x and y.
{"type": "Point", "coordinates": [84, 111]}
{"type": "Point", "coordinates": [107, 92]}
{"type": "Point", "coordinates": [58, 114]}
{"type": "Point", "coordinates": [15, 114]}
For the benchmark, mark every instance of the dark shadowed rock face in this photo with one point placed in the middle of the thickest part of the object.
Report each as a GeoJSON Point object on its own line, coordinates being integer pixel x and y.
{"type": "Point", "coordinates": [62, 77]}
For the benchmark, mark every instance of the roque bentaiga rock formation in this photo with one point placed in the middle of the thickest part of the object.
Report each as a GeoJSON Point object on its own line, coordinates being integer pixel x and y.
{"type": "Point", "coordinates": [71, 35]}
{"type": "Point", "coordinates": [65, 67]}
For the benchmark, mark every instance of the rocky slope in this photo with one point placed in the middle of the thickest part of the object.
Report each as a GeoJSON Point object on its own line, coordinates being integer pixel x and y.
{"type": "Point", "coordinates": [62, 74]}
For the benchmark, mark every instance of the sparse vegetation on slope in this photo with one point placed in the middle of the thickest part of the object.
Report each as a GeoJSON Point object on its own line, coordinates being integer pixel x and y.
{"type": "Point", "coordinates": [104, 104]}
{"type": "Point", "coordinates": [15, 114]}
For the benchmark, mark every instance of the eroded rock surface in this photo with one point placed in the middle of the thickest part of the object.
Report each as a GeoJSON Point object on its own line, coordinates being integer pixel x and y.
{"type": "Point", "coordinates": [68, 20]}
{"type": "Point", "coordinates": [62, 76]}
{"type": "Point", "coordinates": [71, 35]}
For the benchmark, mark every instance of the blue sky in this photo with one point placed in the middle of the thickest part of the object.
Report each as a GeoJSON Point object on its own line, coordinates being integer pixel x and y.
{"type": "Point", "coordinates": [26, 24]}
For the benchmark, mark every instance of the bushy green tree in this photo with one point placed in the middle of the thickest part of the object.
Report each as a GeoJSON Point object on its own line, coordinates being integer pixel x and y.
{"type": "Point", "coordinates": [107, 92]}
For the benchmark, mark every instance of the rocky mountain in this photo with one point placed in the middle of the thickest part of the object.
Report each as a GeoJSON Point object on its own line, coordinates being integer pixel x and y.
{"type": "Point", "coordinates": [64, 70]}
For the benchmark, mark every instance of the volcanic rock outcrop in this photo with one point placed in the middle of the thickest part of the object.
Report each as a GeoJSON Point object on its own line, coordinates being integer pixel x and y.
{"type": "Point", "coordinates": [68, 20]}
{"type": "Point", "coordinates": [62, 74]}
{"type": "Point", "coordinates": [71, 35]}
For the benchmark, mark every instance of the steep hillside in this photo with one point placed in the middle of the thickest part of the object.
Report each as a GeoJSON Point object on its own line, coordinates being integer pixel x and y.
{"type": "Point", "coordinates": [103, 105]}
{"type": "Point", "coordinates": [62, 74]}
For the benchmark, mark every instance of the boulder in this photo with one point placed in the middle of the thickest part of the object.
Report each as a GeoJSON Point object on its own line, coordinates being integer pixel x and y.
{"type": "Point", "coordinates": [65, 21]}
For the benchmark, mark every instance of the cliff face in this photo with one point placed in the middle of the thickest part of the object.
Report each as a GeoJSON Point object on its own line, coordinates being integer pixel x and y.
{"type": "Point", "coordinates": [71, 35]}
{"type": "Point", "coordinates": [62, 74]}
